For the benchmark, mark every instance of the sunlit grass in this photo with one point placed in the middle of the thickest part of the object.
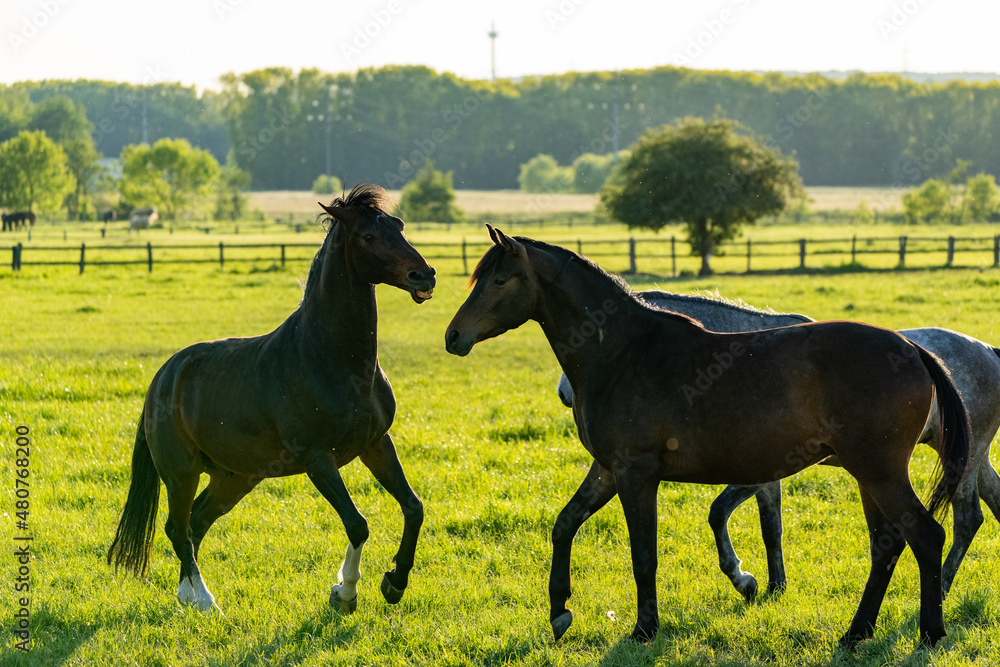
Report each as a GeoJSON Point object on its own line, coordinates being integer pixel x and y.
{"type": "Point", "coordinates": [487, 445]}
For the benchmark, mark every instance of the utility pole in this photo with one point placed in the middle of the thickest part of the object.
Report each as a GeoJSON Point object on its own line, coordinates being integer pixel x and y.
{"type": "Point", "coordinates": [493, 51]}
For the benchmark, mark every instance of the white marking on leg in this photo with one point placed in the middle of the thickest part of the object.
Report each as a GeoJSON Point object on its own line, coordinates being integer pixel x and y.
{"type": "Point", "coordinates": [349, 575]}
{"type": "Point", "coordinates": [193, 591]}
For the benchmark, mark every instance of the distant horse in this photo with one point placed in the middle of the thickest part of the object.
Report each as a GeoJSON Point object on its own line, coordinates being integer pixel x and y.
{"type": "Point", "coordinates": [795, 395]}
{"type": "Point", "coordinates": [308, 397]}
{"type": "Point", "coordinates": [109, 216]}
{"type": "Point", "coordinates": [16, 220]}
{"type": "Point", "coordinates": [975, 368]}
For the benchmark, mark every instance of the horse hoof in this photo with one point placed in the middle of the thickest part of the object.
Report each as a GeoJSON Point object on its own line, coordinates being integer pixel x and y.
{"type": "Point", "coordinates": [391, 594]}
{"type": "Point", "coordinates": [849, 642]}
{"type": "Point", "coordinates": [642, 635]}
{"type": "Point", "coordinates": [747, 587]}
{"type": "Point", "coordinates": [346, 606]}
{"type": "Point", "coordinates": [561, 623]}
{"type": "Point", "coordinates": [930, 639]}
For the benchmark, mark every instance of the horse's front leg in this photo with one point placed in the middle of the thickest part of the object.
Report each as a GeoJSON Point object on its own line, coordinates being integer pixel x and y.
{"type": "Point", "coordinates": [637, 486]}
{"type": "Point", "coordinates": [322, 469]}
{"type": "Point", "coordinates": [384, 464]}
{"type": "Point", "coordinates": [597, 489]}
{"type": "Point", "coordinates": [718, 518]}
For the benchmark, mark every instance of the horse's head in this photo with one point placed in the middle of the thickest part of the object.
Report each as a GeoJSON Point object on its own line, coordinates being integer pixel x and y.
{"type": "Point", "coordinates": [376, 249]}
{"type": "Point", "coordinates": [504, 292]}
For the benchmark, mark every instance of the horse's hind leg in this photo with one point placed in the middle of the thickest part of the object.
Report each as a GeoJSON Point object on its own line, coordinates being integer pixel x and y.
{"type": "Point", "coordinates": [989, 486]}
{"type": "Point", "coordinates": [899, 504]}
{"type": "Point", "coordinates": [968, 518]}
{"type": "Point", "coordinates": [182, 484]}
{"type": "Point", "coordinates": [219, 497]}
{"type": "Point", "coordinates": [886, 544]}
{"type": "Point", "coordinates": [718, 518]}
{"type": "Point", "coordinates": [383, 462]}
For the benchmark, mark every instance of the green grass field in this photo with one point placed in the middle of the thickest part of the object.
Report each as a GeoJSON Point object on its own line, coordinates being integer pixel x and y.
{"type": "Point", "coordinates": [494, 455]}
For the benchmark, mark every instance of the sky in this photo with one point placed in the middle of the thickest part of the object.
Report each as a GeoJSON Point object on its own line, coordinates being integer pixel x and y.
{"type": "Point", "coordinates": [195, 41]}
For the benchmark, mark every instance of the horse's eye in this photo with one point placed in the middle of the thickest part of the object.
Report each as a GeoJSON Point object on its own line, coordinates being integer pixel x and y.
{"type": "Point", "coordinates": [368, 238]}
{"type": "Point", "coordinates": [499, 281]}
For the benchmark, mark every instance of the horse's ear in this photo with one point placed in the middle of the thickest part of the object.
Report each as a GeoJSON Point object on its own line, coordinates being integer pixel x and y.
{"type": "Point", "coordinates": [509, 244]}
{"type": "Point", "coordinates": [493, 233]}
{"type": "Point", "coordinates": [330, 210]}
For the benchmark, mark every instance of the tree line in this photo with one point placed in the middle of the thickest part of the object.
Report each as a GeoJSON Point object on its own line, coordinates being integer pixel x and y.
{"type": "Point", "coordinates": [286, 128]}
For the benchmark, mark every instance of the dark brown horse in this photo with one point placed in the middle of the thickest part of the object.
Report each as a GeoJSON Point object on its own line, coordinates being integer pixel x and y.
{"type": "Point", "coordinates": [308, 397]}
{"type": "Point", "coordinates": [771, 403]}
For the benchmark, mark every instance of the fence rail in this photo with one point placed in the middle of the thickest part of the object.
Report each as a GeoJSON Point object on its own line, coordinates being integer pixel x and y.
{"type": "Point", "coordinates": [637, 252]}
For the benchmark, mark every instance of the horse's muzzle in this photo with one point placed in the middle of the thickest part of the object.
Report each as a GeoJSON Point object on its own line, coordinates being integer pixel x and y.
{"type": "Point", "coordinates": [420, 284]}
{"type": "Point", "coordinates": [457, 344]}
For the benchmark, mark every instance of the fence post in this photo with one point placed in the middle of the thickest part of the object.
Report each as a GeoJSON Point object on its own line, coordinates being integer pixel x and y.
{"type": "Point", "coordinates": [20, 255]}
{"type": "Point", "coordinates": [579, 247]}
{"type": "Point", "coordinates": [854, 243]}
{"type": "Point", "coordinates": [13, 257]}
{"type": "Point", "coordinates": [951, 250]}
{"type": "Point", "coordinates": [149, 255]}
{"type": "Point", "coordinates": [631, 256]}
{"type": "Point", "coordinates": [748, 255]}
{"type": "Point", "coordinates": [802, 253]}
{"type": "Point", "coordinates": [902, 251]}
{"type": "Point", "coordinates": [996, 250]}
{"type": "Point", "coordinates": [673, 257]}
{"type": "Point", "coordinates": [83, 256]}
{"type": "Point", "coordinates": [465, 260]}
{"type": "Point", "coordinates": [222, 257]}
{"type": "Point", "coordinates": [282, 255]}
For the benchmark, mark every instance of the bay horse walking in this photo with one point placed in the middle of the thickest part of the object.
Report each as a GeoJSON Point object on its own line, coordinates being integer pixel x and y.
{"type": "Point", "coordinates": [307, 397]}
{"type": "Point", "coordinates": [974, 367]}
{"type": "Point", "coordinates": [793, 396]}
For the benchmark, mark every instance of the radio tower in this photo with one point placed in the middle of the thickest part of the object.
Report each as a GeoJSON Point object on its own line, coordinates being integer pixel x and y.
{"type": "Point", "coordinates": [493, 50]}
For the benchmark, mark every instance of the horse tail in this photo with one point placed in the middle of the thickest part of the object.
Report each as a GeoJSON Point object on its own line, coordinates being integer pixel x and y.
{"type": "Point", "coordinates": [131, 547]}
{"type": "Point", "coordinates": [954, 423]}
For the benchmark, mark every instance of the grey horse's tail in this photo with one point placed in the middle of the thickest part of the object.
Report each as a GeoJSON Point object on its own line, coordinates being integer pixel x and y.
{"type": "Point", "coordinates": [130, 549]}
{"type": "Point", "coordinates": [955, 429]}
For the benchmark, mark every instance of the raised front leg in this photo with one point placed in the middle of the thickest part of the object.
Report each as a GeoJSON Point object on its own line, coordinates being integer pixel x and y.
{"type": "Point", "coordinates": [322, 470]}
{"type": "Point", "coordinates": [597, 489]}
{"type": "Point", "coordinates": [384, 464]}
{"type": "Point", "coordinates": [718, 518]}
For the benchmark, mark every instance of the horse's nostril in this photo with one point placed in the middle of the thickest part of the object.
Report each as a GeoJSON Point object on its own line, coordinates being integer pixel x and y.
{"type": "Point", "coordinates": [451, 337]}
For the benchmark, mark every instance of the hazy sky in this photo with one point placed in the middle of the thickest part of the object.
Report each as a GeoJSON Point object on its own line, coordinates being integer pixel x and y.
{"type": "Point", "coordinates": [195, 41]}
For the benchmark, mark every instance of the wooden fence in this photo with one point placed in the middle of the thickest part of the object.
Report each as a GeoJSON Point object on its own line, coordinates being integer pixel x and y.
{"type": "Point", "coordinates": [639, 254]}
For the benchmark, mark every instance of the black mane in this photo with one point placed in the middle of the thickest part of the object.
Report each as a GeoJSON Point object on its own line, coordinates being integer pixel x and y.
{"type": "Point", "coordinates": [492, 258]}
{"type": "Point", "coordinates": [363, 195]}
{"type": "Point", "coordinates": [367, 195]}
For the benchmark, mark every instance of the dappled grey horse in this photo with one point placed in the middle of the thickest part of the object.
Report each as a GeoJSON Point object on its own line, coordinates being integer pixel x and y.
{"type": "Point", "coordinates": [975, 369]}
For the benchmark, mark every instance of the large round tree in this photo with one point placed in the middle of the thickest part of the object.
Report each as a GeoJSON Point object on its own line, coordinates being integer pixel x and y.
{"type": "Point", "coordinates": [713, 177]}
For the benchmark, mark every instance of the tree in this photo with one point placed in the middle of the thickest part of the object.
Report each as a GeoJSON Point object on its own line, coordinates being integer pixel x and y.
{"type": "Point", "coordinates": [33, 173]}
{"type": "Point", "coordinates": [230, 192]}
{"type": "Point", "coordinates": [170, 174]}
{"type": "Point", "coordinates": [326, 185]}
{"type": "Point", "coordinates": [430, 196]}
{"type": "Point", "coordinates": [712, 177]}
{"type": "Point", "coordinates": [930, 204]}
{"type": "Point", "coordinates": [590, 171]}
{"type": "Point", "coordinates": [982, 198]}
{"type": "Point", "coordinates": [66, 123]}
{"type": "Point", "coordinates": [543, 174]}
